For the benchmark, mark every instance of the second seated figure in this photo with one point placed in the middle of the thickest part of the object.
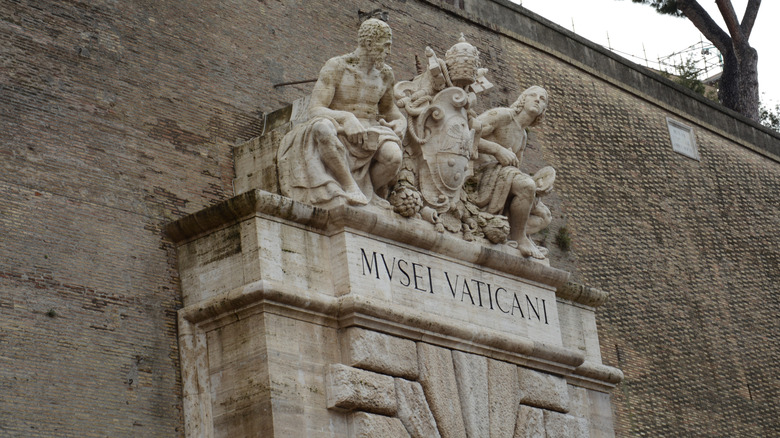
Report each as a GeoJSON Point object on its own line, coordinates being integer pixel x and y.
{"type": "Point", "coordinates": [499, 186]}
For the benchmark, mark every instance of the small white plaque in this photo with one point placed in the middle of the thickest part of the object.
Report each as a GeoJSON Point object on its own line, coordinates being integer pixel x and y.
{"type": "Point", "coordinates": [683, 139]}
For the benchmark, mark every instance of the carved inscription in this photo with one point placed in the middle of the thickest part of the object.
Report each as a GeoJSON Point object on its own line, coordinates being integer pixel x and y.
{"type": "Point", "coordinates": [468, 291]}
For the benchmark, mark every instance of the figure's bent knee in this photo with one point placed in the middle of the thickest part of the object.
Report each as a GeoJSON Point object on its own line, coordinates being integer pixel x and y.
{"type": "Point", "coordinates": [523, 185]}
{"type": "Point", "coordinates": [324, 130]}
{"type": "Point", "coordinates": [390, 154]}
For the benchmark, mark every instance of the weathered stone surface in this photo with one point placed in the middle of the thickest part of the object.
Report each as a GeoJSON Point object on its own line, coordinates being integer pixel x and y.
{"type": "Point", "coordinates": [600, 424]}
{"type": "Point", "coordinates": [437, 377]}
{"type": "Point", "coordinates": [377, 269]}
{"type": "Point", "coordinates": [365, 425]}
{"type": "Point", "coordinates": [381, 353]}
{"type": "Point", "coordinates": [504, 398]}
{"type": "Point", "coordinates": [578, 401]}
{"type": "Point", "coordinates": [578, 329]}
{"type": "Point", "coordinates": [356, 389]}
{"type": "Point", "coordinates": [440, 142]}
{"type": "Point", "coordinates": [413, 410]}
{"type": "Point", "coordinates": [559, 425]}
{"type": "Point", "coordinates": [471, 373]}
{"type": "Point", "coordinates": [543, 390]}
{"type": "Point", "coordinates": [530, 423]}
{"type": "Point", "coordinates": [497, 180]}
{"type": "Point", "coordinates": [343, 152]}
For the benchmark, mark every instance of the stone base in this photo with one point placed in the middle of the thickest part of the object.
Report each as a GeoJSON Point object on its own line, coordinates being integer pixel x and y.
{"type": "Point", "coordinates": [301, 321]}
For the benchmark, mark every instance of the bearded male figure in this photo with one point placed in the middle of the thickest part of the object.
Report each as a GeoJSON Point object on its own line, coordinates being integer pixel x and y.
{"type": "Point", "coordinates": [502, 188]}
{"type": "Point", "coordinates": [350, 148]}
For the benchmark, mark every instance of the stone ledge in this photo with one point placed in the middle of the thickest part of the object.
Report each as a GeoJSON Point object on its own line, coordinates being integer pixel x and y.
{"type": "Point", "coordinates": [240, 207]}
{"type": "Point", "coordinates": [356, 311]}
{"type": "Point", "coordinates": [415, 232]}
{"type": "Point", "coordinates": [596, 376]}
{"type": "Point", "coordinates": [581, 294]}
{"type": "Point", "coordinates": [365, 312]}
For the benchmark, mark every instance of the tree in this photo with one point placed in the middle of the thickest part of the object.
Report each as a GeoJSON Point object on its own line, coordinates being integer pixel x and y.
{"type": "Point", "coordinates": [770, 117]}
{"type": "Point", "coordinates": [739, 80]}
{"type": "Point", "coordinates": [687, 75]}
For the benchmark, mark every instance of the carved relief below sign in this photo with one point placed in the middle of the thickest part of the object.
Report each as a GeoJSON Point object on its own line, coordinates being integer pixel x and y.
{"type": "Point", "coordinates": [683, 139]}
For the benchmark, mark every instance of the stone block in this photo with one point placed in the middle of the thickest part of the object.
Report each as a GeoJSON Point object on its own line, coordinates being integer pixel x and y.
{"type": "Point", "coordinates": [413, 410]}
{"type": "Point", "coordinates": [530, 423]}
{"type": "Point", "coordinates": [559, 425]}
{"type": "Point", "coordinates": [543, 390]}
{"type": "Point", "coordinates": [578, 329]}
{"type": "Point", "coordinates": [578, 401]}
{"type": "Point", "coordinates": [355, 389]}
{"type": "Point", "coordinates": [365, 425]}
{"type": "Point", "coordinates": [380, 353]}
{"type": "Point", "coordinates": [504, 398]}
{"type": "Point", "coordinates": [437, 377]}
{"type": "Point", "coordinates": [600, 424]}
{"type": "Point", "coordinates": [471, 373]}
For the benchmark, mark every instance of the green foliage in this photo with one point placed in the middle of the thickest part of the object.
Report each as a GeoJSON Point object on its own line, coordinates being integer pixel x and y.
{"type": "Point", "coordinates": [687, 75]}
{"type": "Point", "coordinates": [563, 239]}
{"type": "Point", "coordinates": [769, 117]}
{"type": "Point", "coordinates": [667, 7]}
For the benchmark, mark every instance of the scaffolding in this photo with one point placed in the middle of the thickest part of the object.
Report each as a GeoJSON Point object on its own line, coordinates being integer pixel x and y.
{"type": "Point", "coordinates": [702, 58]}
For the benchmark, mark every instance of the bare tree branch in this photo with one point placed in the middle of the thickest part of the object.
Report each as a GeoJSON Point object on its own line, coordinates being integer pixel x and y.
{"type": "Point", "coordinates": [706, 25]}
{"type": "Point", "coordinates": [732, 23]}
{"type": "Point", "coordinates": [751, 11]}
{"type": "Point", "coordinates": [738, 84]}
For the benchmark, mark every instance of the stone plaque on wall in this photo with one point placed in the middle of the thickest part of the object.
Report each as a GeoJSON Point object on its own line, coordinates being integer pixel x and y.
{"type": "Point", "coordinates": [683, 139]}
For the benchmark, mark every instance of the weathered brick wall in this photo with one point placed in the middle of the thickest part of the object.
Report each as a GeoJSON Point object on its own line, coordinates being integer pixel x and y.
{"type": "Point", "coordinates": [118, 117]}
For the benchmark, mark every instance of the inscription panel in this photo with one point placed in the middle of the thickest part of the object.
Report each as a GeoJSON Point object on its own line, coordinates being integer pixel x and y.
{"type": "Point", "coordinates": [683, 139]}
{"type": "Point", "coordinates": [406, 277]}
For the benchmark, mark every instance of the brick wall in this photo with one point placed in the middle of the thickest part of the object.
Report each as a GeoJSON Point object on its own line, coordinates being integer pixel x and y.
{"type": "Point", "coordinates": [118, 117]}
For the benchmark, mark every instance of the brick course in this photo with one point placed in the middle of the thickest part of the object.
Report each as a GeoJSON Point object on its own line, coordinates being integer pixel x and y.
{"type": "Point", "coordinates": [119, 117]}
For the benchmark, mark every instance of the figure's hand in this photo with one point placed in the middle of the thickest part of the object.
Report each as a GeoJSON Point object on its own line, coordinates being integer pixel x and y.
{"type": "Point", "coordinates": [507, 157]}
{"type": "Point", "coordinates": [354, 130]}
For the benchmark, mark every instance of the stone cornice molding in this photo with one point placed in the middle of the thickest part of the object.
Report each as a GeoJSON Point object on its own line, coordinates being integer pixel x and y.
{"type": "Point", "coordinates": [417, 233]}
{"type": "Point", "coordinates": [356, 311]}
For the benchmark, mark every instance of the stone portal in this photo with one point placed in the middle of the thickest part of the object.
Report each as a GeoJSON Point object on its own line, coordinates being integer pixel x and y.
{"type": "Point", "coordinates": [352, 289]}
{"type": "Point", "coordinates": [300, 321]}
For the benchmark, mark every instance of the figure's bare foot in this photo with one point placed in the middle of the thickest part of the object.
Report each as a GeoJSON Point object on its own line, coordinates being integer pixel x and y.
{"type": "Point", "coordinates": [529, 249]}
{"type": "Point", "coordinates": [355, 196]}
{"type": "Point", "coordinates": [381, 203]}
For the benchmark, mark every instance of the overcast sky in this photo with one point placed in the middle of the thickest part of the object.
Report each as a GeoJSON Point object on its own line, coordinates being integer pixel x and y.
{"type": "Point", "coordinates": [636, 29]}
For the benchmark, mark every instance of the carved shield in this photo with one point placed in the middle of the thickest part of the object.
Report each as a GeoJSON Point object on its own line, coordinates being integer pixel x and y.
{"type": "Point", "coordinates": [448, 148]}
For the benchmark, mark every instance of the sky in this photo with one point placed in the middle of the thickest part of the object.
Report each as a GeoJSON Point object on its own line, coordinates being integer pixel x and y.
{"type": "Point", "coordinates": [635, 29]}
